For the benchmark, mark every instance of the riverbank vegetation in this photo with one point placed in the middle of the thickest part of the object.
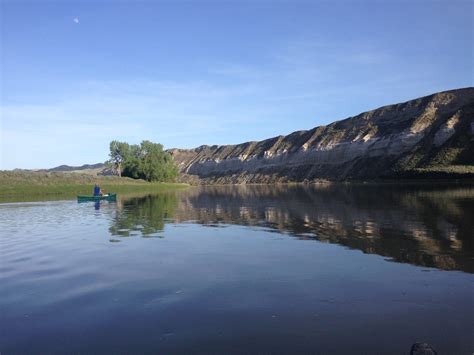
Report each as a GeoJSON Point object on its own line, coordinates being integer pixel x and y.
{"type": "Point", "coordinates": [31, 186]}
{"type": "Point", "coordinates": [147, 161]}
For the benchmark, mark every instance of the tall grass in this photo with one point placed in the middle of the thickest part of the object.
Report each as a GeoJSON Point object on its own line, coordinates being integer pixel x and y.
{"type": "Point", "coordinates": [31, 186]}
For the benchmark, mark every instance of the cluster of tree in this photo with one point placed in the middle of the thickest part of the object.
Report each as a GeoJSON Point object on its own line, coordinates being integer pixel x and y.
{"type": "Point", "coordinates": [146, 161]}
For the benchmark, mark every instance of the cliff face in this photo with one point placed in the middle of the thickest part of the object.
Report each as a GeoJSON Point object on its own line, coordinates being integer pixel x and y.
{"type": "Point", "coordinates": [429, 136]}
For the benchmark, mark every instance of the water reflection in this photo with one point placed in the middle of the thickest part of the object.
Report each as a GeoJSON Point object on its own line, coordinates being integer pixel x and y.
{"type": "Point", "coordinates": [422, 225]}
{"type": "Point", "coordinates": [144, 215]}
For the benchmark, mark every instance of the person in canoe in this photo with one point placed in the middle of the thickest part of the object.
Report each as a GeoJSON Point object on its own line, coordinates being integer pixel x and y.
{"type": "Point", "coordinates": [98, 191]}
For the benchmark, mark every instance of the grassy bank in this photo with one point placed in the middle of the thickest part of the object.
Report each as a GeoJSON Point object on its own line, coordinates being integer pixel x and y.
{"type": "Point", "coordinates": [34, 186]}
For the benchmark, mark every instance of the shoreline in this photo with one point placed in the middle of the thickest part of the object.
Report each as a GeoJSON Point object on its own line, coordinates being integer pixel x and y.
{"type": "Point", "coordinates": [33, 186]}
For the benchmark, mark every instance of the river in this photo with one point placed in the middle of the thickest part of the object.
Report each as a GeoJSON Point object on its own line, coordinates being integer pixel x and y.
{"type": "Point", "coordinates": [241, 269]}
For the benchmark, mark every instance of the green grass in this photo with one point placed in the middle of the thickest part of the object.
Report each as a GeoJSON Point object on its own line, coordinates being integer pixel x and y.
{"type": "Point", "coordinates": [35, 186]}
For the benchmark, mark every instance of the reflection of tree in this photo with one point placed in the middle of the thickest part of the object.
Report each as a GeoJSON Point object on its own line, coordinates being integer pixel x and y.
{"type": "Point", "coordinates": [143, 216]}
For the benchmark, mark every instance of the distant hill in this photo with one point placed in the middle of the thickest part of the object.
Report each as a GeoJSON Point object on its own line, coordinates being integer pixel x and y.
{"type": "Point", "coordinates": [99, 169]}
{"type": "Point", "coordinates": [66, 168]}
{"type": "Point", "coordinates": [428, 137]}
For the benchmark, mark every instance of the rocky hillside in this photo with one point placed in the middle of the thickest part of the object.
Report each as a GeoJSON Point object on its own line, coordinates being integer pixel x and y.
{"type": "Point", "coordinates": [432, 136]}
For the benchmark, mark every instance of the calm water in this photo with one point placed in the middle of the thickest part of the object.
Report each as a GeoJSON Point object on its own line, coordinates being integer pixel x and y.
{"type": "Point", "coordinates": [256, 269]}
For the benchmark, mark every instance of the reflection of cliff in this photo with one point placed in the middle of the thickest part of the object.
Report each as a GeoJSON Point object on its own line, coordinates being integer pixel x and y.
{"type": "Point", "coordinates": [423, 226]}
{"type": "Point", "coordinates": [144, 215]}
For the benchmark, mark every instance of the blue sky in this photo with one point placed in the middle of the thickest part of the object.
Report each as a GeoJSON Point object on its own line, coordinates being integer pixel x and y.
{"type": "Point", "coordinates": [77, 74]}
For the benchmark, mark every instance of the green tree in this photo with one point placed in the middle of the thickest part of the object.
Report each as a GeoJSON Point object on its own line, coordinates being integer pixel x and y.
{"type": "Point", "coordinates": [155, 163]}
{"type": "Point", "coordinates": [119, 153]}
{"type": "Point", "coordinates": [131, 167]}
{"type": "Point", "coordinates": [145, 161]}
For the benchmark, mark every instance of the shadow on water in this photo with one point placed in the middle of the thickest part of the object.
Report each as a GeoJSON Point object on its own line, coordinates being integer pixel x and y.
{"type": "Point", "coordinates": [426, 225]}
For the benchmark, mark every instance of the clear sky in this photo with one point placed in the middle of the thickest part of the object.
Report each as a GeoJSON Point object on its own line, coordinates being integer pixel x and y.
{"type": "Point", "coordinates": [77, 74]}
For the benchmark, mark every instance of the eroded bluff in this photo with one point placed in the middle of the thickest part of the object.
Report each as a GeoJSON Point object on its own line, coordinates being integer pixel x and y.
{"type": "Point", "coordinates": [432, 136]}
